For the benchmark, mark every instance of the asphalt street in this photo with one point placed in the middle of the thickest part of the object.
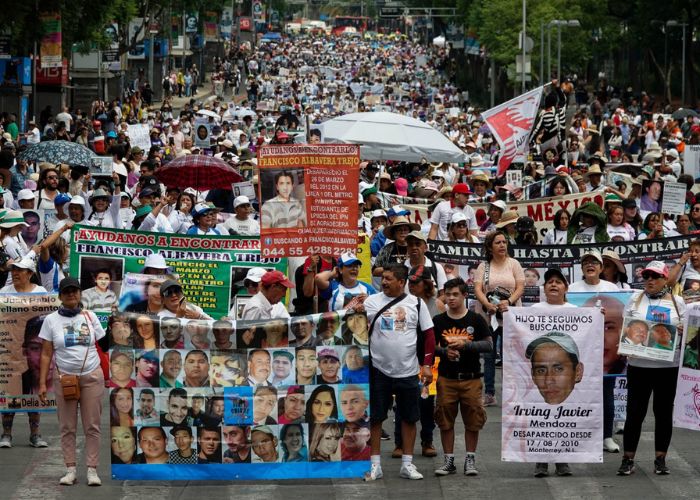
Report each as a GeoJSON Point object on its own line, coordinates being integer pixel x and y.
{"type": "Point", "coordinates": [28, 473]}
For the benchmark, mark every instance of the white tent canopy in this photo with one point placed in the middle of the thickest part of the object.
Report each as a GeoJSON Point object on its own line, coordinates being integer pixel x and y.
{"type": "Point", "coordinates": [391, 136]}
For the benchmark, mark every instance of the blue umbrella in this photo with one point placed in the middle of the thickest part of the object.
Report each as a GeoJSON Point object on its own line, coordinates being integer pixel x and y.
{"type": "Point", "coordinates": [56, 152]}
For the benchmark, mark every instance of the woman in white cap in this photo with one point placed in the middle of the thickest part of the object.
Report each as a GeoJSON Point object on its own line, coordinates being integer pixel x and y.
{"type": "Point", "coordinates": [496, 209]}
{"type": "Point", "coordinates": [103, 210]}
{"type": "Point", "coordinates": [22, 272]}
{"type": "Point", "coordinates": [10, 228]}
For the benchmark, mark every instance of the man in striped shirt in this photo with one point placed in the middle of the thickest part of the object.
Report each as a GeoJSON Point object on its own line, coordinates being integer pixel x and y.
{"type": "Point", "coordinates": [283, 211]}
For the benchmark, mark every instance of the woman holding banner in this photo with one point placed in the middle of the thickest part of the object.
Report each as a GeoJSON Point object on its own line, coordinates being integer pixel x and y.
{"type": "Point", "coordinates": [646, 376]}
{"type": "Point", "coordinates": [498, 283]}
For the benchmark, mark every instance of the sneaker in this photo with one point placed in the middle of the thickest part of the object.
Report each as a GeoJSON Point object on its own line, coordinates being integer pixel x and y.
{"type": "Point", "coordinates": [385, 435]}
{"type": "Point", "coordinates": [36, 441]}
{"type": "Point", "coordinates": [374, 473]}
{"type": "Point", "coordinates": [470, 466]}
{"type": "Point", "coordinates": [541, 469]}
{"type": "Point", "coordinates": [619, 427]}
{"type": "Point", "coordinates": [69, 478]}
{"type": "Point", "coordinates": [490, 400]}
{"type": "Point", "coordinates": [397, 453]}
{"type": "Point", "coordinates": [660, 466]}
{"type": "Point", "coordinates": [447, 468]}
{"type": "Point", "coordinates": [563, 469]}
{"type": "Point", "coordinates": [610, 445]}
{"type": "Point", "coordinates": [409, 471]}
{"type": "Point", "coordinates": [428, 450]}
{"type": "Point", "coordinates": [6, 441]}
{"type": "Point", "coordinates": [626, 467]}
{"type": "Point", "coordinates": [93, 478]}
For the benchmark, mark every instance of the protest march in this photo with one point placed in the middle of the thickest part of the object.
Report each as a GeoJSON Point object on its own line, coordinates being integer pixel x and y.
{"type": "Point", "coordinates": [252, 284]}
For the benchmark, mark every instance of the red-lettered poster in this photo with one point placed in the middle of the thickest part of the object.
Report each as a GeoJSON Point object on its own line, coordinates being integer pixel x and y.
{"type": "Point", "coordinates": [309, 199]}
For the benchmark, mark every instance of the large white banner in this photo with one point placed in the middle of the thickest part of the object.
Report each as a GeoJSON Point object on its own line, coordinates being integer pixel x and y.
{"type": "Point", "coordinates": [686, 410]}
{"type": "Point", "coordinates": [552, 385]}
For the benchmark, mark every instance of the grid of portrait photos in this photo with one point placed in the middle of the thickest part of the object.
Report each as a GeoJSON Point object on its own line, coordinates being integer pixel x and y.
{"type": "Point", "coordinates": [190, 391]}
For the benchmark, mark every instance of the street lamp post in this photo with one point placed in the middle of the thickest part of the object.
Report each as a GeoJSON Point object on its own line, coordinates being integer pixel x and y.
{"type": "Point", "coordinates": [674, 24]}
{"type": "Point", "coordinates": [567, 23]}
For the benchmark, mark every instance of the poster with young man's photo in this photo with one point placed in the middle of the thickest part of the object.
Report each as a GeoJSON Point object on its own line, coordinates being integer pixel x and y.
{"type": "Point", "coordinates": [553, 384]}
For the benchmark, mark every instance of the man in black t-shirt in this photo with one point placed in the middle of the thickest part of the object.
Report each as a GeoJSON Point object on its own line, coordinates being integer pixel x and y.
{"type": "Point", "coordinates": [460, 337]}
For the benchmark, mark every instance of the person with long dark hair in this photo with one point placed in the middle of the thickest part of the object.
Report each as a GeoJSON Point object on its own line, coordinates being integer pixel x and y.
{"type": "Point", "coordinates": [499, 283]}
{"type": "Point", "coordinates": [322, 407]}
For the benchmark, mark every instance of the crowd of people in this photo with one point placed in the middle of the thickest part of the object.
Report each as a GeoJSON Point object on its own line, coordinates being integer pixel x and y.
{"type": "Point", "coordinates": [449, 312]}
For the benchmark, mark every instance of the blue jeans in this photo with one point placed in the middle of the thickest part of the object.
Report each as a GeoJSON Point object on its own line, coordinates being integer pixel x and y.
{"type": "Point", "coordinates": [427, 422]}
{"type": "Point", "coordinates": [490, 363]}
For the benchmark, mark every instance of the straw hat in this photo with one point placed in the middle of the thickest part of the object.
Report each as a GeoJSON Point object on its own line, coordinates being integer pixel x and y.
{"type": "Point", "coordinates": [510, 217]}
{"type": "Point", "coordinates": [481, 176]}
{"type": "Point", "coordinates": [399, 221]}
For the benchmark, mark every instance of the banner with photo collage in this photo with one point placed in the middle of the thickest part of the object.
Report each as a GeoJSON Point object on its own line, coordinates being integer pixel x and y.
{"type": "Point", "coordinates": [249, 400]}
{"type": "Point", "coordinates": [210, 269]}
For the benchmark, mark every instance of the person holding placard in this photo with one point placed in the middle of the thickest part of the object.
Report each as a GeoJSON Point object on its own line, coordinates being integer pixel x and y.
{"type": "Point", "coordinates": [645, 376]}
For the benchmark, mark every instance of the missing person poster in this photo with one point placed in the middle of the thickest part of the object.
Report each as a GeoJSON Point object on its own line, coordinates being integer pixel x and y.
{"type": "Point", "coordinates": [686, 410]}
{"type": "Point", "coordinates": [250, 400]}
{"type": "Point", "coordinates": [309, 199]}
{"type": "Point", "coordinates": [648, 339]}
{"type": "Point", "coordinates": [613, 304]}
{"type": "Point", "coordinates": [209, 268]}
{"type": "Point", "coordinates": [21, 318]}
{"type": "Point", "coordinates": [553, 383]}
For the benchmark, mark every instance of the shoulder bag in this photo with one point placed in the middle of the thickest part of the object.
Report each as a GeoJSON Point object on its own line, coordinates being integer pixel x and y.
{"type": "Point", "coordinates": [71, 383]}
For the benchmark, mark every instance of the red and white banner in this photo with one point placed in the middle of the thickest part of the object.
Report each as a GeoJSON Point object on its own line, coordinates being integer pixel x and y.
{"type": "Point", "coordinates": [511, 124]}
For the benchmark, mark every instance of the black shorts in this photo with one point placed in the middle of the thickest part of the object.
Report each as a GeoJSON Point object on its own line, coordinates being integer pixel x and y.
{"type": "Point", "coordinates": [381, 390]}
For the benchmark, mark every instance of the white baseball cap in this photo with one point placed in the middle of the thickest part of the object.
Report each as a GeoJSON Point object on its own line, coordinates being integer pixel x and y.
{"type": "Point", "coordinates": [25, 194]}
{"type": "Point", "coordinates": [77, 200]}
{"type": "Point", "coordinates": [255, 274]}
{"type": "Point", "coordinates": [240, 200]}
{"type": "Point", "coordinates": [155, 261]}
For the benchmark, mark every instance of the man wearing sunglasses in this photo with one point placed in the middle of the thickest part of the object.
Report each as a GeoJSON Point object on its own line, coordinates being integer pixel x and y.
{"type": "Point", "coordinates": [175, 305]}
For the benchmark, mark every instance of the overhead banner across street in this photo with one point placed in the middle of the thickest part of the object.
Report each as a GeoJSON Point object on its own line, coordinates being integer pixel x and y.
{"type": "Point", "coordinates": [552, 379]}
{"type": "Point", "coordinates": [308, 197]}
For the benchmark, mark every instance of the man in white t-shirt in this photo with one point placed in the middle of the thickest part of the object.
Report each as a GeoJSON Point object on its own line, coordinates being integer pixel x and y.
{"type": "Point", "coordinates": [395, 347]}
{"type": "Point", "coordinates": [592, 266]}
{"type": "Point", "coordinates": [241, 223]}
{"type": "Point", "coordinates": [65, 117]}
{"type": "Point", "coordinates": [444, 210]}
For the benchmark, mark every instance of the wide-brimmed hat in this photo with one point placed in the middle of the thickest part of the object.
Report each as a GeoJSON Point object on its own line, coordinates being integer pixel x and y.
{"type": "Point", "coordinates": [399, 221]}
{"type": "Point", "coordinates": [593, 170]}
{"type": "Point", "coordinates": [510, 217]}
{"type": "Point", "coordinates": [615, 258]}
{"type": "Point", "coordinates": [481, 176]}
{"type": "Point", "coordinates": [13, 218]}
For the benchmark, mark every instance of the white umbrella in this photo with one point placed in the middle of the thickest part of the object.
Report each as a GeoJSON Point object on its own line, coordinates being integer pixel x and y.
{"type": "Point", "coordinates": [208, 112]}
{"type": "Point", "coordinates": [390, 136]}
{"type": "Point", "coordinates": [245, 112]}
